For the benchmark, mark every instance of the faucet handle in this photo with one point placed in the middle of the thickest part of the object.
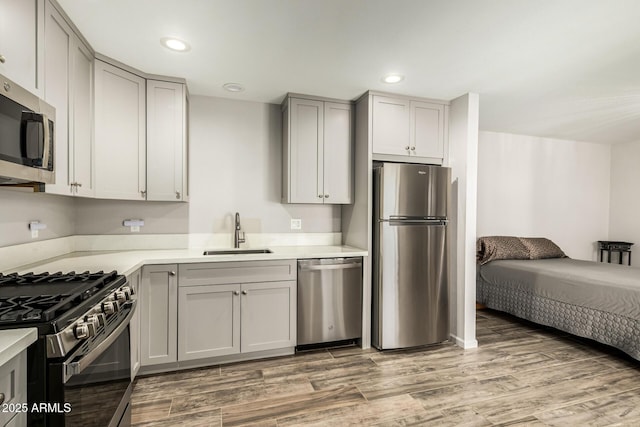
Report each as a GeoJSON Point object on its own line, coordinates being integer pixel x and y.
{"type": "Point", "coordinates": [241, 237]}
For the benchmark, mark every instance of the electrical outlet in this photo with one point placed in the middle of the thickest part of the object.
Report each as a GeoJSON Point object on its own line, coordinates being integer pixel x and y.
{"type": "Point", "coordinates": [35, 227]}
{"type": "Point", "coordinates": [296, 224]}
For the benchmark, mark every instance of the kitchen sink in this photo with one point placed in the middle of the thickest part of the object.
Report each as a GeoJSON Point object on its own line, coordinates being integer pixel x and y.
{"type": "Point", "coordinates": [238, 252]}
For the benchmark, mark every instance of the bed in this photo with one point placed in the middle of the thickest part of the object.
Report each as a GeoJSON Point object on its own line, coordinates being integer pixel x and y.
{"type": "Point", "coordinates": [589, 299]}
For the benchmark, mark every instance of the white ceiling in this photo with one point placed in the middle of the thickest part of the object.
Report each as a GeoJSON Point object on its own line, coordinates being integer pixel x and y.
{"type": "Point", "coordinates": [567, 69]}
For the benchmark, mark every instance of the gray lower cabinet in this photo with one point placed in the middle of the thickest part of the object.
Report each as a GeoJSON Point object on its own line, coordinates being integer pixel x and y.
{"type": "Point", "coordinates": [219, 320]}
{"type": "Point", "coordinates": [13, 390]}
{"type": "Point", "coordinates": [201, 311]}
{"type": "Point", "coordinates": [209, 321]}
{"type": "Point", "coordinates": [159, 314]}
{"type": "Point", "coordinates": [135, 280]}
{"type": "Point", "coordinates": [268, 316]}
{"type": "Point", "coordinates": [236, 307]}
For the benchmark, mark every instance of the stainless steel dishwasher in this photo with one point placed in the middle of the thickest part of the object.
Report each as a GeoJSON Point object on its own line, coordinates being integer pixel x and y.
{"type": "Point", "coordinates": [329, 300]}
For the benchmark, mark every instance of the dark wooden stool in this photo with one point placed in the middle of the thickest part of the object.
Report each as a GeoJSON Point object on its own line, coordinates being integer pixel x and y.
{"type": "Point", "coordinates": [619, 247]}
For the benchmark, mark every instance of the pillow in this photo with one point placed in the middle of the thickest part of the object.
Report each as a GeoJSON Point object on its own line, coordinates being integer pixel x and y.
{"type": "Point", "coordinates": [541, 248]}
{"type": "Point", "coordinates": [500, 247]}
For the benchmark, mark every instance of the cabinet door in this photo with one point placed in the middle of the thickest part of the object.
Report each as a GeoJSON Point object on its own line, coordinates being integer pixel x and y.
{"type": "Point", "coordinates": [305, 151]}
{"type": "Point", "coordinates": [13, 385]}
{"type": "Point", "coordinates": [134, 326]}
{"type": "Point", "coordinates": [427, 129]}
{"type": "Point", "coordinates": [390, 133]}
{"type": "Point", "coordinates": [159, 314]}
{"type": "Point", "coordinates": [120, 99]}
{"type": "Point", "coordinates": [268, 316]}
{"type": "Point", "coordinates": [166, 141]}
{"type": "Point", "coordinates": [57, 81]}
{"type": "Point", "coordinates": [209, 321]}
{"type": "Point", "coordinates": [338, 153]}
{"type": "Point", "coordinates": [82, 119]}
{"type": "Point", "coordinates": [20, 42]}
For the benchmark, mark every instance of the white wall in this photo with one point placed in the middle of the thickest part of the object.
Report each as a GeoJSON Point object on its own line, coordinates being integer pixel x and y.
{"type": "Point", "coordinates": [541, 187]}
{"type": "Point", "coordinates": [625, 199]}
{"type": "Point", "coordinates": [463, 160]}
{"type": "Point", "coordinates": [19, 207]}
{"type": "Point", "coordinates": [235, 158]}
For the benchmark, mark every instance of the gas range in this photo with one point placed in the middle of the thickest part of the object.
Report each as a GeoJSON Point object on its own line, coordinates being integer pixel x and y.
{"type": "Point", "coordinates": [83, 341]}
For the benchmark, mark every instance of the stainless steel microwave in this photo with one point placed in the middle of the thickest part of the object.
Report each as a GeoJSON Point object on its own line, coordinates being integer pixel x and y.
{"type": "Point", "coordinates": [26, 136]}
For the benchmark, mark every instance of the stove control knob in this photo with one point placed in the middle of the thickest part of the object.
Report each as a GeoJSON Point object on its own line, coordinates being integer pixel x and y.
{"type": "Point", "coordinates": [92, 324]}
{"type": "Point", "coordinates": [127, 290]}
{"type": "Point", "coordinates": [96, 320]}
{"type": "Point", "coordinates": [81, 331]}
{"type": "Point", "coordinates": [110, 307]}
{"type": "Point", "coordinates": [121, 296]}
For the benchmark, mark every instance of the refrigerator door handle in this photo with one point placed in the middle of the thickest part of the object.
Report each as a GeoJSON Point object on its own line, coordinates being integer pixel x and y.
{"type": "Point", "coordinates": [429, 223]}
{"type": "Point", "coordinates": [416, 218]}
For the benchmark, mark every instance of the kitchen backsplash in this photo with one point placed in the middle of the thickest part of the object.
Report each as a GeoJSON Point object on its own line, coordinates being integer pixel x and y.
{"type": "Point", "coordinates": [235, 166]}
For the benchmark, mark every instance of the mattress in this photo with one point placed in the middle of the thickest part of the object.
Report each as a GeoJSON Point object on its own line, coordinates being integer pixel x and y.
{"type": "Point", "coordinates": [589, 299]}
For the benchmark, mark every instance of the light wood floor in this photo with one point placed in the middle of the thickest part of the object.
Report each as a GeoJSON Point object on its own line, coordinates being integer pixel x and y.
{"type": "Point", "coordinates": [521, 374]}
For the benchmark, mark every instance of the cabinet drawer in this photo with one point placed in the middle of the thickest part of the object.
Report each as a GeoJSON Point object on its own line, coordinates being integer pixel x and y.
{"type": "Point", "coordinates": [236, 272]}
{"type": "Point", "coordinates": [13, 384]}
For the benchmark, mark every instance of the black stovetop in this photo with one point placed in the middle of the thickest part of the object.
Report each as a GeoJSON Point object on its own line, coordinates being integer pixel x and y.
{"type": "Point", "coordinates": [40, 298]}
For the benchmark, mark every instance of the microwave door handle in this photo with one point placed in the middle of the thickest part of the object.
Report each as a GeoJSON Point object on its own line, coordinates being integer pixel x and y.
{"type": "Point", "coordinates": [47, 142]}
{"type": "Point", "coordinates": [75, 368]}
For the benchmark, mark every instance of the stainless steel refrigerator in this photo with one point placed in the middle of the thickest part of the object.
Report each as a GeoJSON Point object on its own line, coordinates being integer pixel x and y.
{"type": "Point", "coordinates": [410, 278]}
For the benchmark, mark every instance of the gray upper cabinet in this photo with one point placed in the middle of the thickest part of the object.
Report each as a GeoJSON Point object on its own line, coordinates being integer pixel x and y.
{"type": "Point", "coordinates": [317, 151]}
{"type": "Point", "coordinates": [391, 126]}
{"type": "Point", "coordinates": [166, 141]}
{"type": "Point", "coordinates": [408, 129]}
{"type": "Point", "coordinates": [21, 39]}
{"type": "Point", "coordinates": [68, 87]}
{"type": "Point", "coordinates": [120, 98]}
{"type": "Point", "coordinates": [426, 124]}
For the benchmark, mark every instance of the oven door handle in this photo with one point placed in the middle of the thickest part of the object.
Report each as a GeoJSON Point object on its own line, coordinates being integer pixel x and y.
{"type": "Point", "coordinates": [74, 368]}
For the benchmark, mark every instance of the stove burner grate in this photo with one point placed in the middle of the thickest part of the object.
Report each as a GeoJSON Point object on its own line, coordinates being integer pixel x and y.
{"type": "Point", "coordinates": [27, 308]}
{"type": "Point", "coordinates": [42, 297]}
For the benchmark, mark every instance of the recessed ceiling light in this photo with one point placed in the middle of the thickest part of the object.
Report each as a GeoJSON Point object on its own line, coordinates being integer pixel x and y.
{"type": "Point", "coordinates": [233, 87]}
{"type": "Point", "coordinates": [175, 44]}
{"type": "Point", "coordinates": [393, 78]}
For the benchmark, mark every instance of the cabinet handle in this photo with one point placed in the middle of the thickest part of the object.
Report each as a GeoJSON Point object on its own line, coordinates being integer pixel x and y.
{"type": "Point", "coordinates": [236, 293]}
{"type": "Point", "coordinates": [413, 148]}
{"type": "Point", "coordinates": [79, 184]}
{"type": "Point", "coordinates": [2, 59]}
{"type": "Point", "coordinates": [406, 148]}
{"type": "Point", "coordinates": [7, 86]}
{"type": "Point", "coordinates": [244, 292]}
{"type": "Point", "coordinates": [178, 195]}
{"type": "Point", "coordinates": [143, 194]}
{"type": "Point", "coordinates": [320, 196]}
{"type": "Point", "coordinates": [172, 273]}
{"type": "Point", "coordinates": [326, 196]}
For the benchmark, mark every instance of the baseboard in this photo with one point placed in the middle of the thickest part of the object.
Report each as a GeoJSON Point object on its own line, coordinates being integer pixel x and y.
{"type": "Point", "coordinates": [466, 344]}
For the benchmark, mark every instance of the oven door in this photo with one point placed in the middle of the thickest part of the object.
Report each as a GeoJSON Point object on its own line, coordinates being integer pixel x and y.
{"type": "Point", "coordinates": [92, 387]}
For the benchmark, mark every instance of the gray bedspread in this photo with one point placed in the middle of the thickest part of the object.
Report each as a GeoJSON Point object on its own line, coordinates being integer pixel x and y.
{"type": "Point", "coordinates": [589, 299]}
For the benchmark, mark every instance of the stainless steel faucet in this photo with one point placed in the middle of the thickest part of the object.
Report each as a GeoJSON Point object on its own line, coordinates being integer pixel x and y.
{"type": "Point", "coordinates": [238, 237]}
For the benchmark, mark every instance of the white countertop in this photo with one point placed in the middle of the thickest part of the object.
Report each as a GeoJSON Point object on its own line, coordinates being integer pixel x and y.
{"type": "Point", "coordinates": [14, 341]}
{"type": "Point", "coordinates": [127, 262]}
